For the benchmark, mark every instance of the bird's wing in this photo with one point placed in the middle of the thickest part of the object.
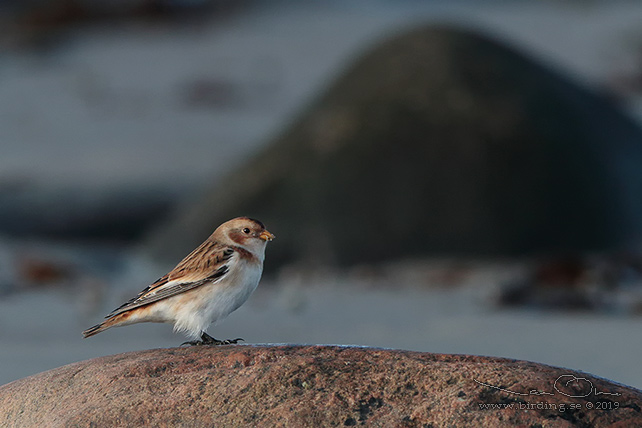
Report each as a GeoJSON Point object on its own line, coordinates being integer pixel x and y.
{"type": "Point", "coordinates": [209, 262]}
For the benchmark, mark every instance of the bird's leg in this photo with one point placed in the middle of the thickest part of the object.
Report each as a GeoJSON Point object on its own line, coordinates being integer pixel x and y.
{"type": "Point", "coordinates": [193, 343]}
{"type": "Point", "coordinates": [209, 340]}
{"type": "Point", "coordinates": [206, 339]}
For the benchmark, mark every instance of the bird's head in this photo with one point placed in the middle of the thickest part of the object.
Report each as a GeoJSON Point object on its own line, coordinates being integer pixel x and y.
{"type": "Point", "coordinates": [245, 232]}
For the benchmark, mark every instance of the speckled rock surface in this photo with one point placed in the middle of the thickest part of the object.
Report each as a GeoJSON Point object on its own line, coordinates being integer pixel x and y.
{"type": "Point", "coordinates": [269, 386]}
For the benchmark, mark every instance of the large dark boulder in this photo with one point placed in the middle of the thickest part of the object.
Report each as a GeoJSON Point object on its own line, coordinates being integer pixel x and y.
{"type": "Point", "coordinates": [437, 141]}
{"type": "Point", "coordinates": [313, 386]}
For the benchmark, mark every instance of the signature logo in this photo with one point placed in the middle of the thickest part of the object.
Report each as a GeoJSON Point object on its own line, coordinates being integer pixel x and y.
{"type": "Point", "coordinates": [567, 385]}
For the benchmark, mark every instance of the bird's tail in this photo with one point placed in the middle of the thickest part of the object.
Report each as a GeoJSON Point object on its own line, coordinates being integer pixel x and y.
{"type": "Point", "coordinates": [108, 323]}
{"type": "Point", "coordinates": [94, 330]}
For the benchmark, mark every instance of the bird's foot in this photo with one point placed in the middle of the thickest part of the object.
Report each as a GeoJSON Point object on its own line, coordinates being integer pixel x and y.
{"type": "Point", "coordinates": [209, 340]}
{"type": "Point", "coordinates": [206, 339]}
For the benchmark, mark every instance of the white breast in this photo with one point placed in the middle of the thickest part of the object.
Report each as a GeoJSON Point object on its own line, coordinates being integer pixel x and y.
{"type": "Point", "coordinates": [194, 311]}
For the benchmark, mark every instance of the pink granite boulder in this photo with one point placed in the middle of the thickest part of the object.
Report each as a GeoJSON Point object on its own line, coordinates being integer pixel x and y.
{"type": "Point", "coordinates": [296, 386]}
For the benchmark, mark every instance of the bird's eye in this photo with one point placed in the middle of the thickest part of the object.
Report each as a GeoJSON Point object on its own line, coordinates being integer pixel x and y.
{"type": "Point", "coordinates": [246, 230]}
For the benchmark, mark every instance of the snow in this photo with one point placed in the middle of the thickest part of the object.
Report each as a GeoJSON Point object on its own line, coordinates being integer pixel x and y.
{"type": "Point", "coordinates": [439, 321]}
{"type": "Point", "coordinates": [108, 105]}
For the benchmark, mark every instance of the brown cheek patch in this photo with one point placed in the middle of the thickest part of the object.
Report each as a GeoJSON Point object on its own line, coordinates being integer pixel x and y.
{"type": "Point", "coordinates": [238, 237]}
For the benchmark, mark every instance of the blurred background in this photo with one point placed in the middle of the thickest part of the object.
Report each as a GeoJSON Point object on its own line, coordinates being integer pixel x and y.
{"type": "Point", "coordinates": [441, 176]}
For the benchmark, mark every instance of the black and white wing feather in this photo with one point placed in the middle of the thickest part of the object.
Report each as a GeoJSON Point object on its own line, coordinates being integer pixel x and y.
{"type": "Point", "coordinates": [208, 263]}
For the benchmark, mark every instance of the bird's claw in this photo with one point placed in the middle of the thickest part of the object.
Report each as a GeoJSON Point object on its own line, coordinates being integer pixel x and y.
{"type": "Point", "coordinates": [206, 339]}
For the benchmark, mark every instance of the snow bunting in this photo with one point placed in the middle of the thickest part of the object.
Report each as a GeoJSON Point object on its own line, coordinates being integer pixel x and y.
{"type": "Point", "coordinates": [205, 287]}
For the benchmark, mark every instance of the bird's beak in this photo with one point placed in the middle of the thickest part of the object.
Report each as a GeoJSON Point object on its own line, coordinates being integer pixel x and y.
{"type": "Point", "coordinates": [266, 236]}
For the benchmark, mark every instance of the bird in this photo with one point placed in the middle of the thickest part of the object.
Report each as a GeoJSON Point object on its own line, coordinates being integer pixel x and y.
{"type": "Point", "coordinates": [206, 286]}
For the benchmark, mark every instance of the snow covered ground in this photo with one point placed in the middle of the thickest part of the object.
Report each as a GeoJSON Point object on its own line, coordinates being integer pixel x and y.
{"type": "Point", "coordinates": [42, 331]}
{"type": "Point", "coordinates": [111, 105]}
